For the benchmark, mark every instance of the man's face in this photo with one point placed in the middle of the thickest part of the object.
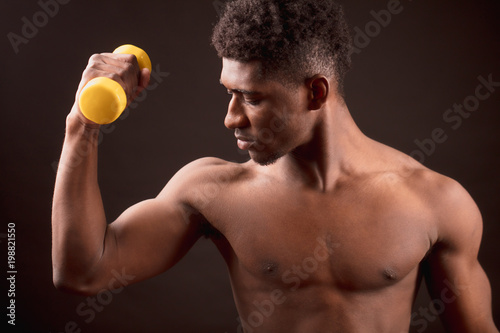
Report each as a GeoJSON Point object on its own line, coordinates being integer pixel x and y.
{"type": "Point", "coordinates": [269, 119]}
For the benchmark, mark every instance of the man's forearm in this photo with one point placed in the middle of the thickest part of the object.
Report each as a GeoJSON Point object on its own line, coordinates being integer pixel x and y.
{"type": "Point", "coordinates": [78, 218]}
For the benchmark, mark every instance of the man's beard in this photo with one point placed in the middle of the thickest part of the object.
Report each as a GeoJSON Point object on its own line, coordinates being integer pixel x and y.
{"type": "Point", "coordinates": [266, 160]}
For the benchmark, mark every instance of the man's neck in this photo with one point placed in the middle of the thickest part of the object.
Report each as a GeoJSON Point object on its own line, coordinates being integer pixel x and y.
{"type": "Point", "coordinates": [338, 147]}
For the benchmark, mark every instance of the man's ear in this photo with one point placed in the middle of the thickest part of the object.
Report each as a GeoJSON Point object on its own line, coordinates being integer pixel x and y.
{"type": "Point", "coordinates": [319, 88]}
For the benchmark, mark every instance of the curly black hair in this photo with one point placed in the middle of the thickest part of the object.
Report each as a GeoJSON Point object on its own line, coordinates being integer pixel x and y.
{"type": "Point", "coordinates": [293, 40]}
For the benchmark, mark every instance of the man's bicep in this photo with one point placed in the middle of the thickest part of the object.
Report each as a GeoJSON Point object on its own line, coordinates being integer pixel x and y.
{"type": "Point", "coordinates": [455, 279]}
{"type": "Point", "coordinates": [153, 235]}
{"type": "Point", "coordinates": [149, 238]}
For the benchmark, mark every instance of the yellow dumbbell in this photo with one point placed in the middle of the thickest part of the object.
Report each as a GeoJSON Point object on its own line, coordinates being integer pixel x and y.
{"type": "Point", "coordinates": [103, 100]}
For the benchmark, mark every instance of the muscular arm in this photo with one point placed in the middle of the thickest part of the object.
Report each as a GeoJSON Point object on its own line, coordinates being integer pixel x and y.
{"type": "Point", "coordinates": [145, 240]}
{"type": "Point", "coordinates": [452, 271]}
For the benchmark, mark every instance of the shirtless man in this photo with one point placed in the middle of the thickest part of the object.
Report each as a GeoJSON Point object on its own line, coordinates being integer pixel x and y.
{"type": "Point", "coordinates": [323, 229]}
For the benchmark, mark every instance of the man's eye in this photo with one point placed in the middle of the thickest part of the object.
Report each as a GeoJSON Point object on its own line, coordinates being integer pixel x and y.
{"type": "Point", "coordinates": [252, 102]}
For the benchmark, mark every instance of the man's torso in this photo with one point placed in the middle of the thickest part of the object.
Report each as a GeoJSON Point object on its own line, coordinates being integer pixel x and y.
{"type": "Point", "coordinates": [342, 260]}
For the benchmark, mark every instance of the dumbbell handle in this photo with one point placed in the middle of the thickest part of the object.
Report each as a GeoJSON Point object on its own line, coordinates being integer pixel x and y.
{"type": "Point", "coordinates": [103, 100]}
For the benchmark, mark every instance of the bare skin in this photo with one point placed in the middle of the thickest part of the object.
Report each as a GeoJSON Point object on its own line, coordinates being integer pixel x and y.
{"type": "Point", "coordinates": [323, 230]}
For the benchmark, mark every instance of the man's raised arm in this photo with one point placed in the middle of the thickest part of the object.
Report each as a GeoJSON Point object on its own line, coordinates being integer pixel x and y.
{"type": "Point", "coordinates": [145, 240]}
{"type": "Point", "coordinates": [455, 279]}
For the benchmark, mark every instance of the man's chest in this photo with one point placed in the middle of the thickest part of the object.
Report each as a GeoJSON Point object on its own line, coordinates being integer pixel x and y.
{"type": "Point", "coordinates": [294, 240]}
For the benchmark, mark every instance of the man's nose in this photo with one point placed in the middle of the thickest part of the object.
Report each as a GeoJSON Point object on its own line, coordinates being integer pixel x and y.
{"type": "Point", "coordinates": [235, 117]}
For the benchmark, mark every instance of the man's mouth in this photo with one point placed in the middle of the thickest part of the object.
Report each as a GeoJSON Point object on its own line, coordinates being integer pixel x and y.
{"type": "Point", "coordinates": [244, 142]}
{"type": "Point", "coordinates": [244, 145]}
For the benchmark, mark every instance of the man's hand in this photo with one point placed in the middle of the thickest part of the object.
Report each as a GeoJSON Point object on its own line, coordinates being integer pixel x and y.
{"type": "Point", "coordinates": [122, 68]}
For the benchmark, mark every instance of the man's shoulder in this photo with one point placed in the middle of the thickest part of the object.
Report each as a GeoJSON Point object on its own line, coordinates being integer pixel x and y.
{"type": "Point", "coordinates": [448, 202]}
{"type": "Point", "coordinates": [208, 172]}
{"type": "Point", "coordinates": [437, 193]}
{"type": "Point", "coordinates": [436, 189]}
{"type": "Point", "coordinates": [210, 168]}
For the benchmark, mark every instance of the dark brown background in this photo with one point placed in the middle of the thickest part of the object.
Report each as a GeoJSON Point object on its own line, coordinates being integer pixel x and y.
{"type": "Point", "coordinates": [428, 58]}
